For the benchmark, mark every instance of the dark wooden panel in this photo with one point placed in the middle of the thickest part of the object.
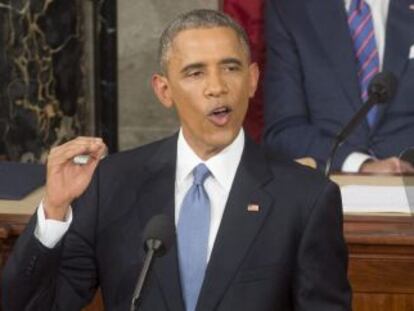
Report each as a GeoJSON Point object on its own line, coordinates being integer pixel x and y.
{"type": "Point", "coordinates": [382, 275]}
{"type": "Point", "coordinates": [382, 302]}
{"type": "Point", "coordinates": [381, 262]}
{"type": "Point", "coordinates": [96, 305]}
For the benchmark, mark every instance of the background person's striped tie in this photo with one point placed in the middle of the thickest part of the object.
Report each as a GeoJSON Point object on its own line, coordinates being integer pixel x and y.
{"type": "Point", "coordinates": [365, 48]}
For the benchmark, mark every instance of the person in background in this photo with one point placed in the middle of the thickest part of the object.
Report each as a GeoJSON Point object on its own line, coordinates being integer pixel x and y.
{"type": "Point", "coordinates": [321, 56]}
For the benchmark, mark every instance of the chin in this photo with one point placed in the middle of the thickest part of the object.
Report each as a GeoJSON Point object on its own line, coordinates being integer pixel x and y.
{"type": "Point", "coordinates": [223, 139]}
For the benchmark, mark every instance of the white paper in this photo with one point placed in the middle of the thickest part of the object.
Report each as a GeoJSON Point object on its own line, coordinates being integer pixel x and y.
{"type": "Point", "coordinates": [377, 199]}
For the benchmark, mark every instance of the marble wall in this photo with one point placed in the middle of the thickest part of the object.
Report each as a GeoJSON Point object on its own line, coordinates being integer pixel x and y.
{"type": "Point", "coordinates": [53, 71]}
{"type": "Point", "coordinates": [42, 76]}
{"type": "Point", "coordinates": [140, 23]}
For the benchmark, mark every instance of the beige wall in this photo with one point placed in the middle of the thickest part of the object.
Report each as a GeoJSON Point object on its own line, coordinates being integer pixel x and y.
{"type": "Point", "coordinates": [141, 117]}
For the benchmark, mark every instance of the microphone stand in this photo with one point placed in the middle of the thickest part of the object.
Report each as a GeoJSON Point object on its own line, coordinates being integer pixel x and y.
{"type": "Point", "coordinates": [340, 138]}
{"type": "Point", "coordinates": [152, 246]}
{"type": "Point", "coordinates": [380, 90]}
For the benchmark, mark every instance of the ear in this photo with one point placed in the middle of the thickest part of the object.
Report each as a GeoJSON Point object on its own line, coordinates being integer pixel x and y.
{"type": "Point", "coordinates": [254, 74]}
{"type": "Point", "coordinates": [161, 87]}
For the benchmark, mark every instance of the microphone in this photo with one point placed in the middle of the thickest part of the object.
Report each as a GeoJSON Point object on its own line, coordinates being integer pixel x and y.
{"type": "Point", "coordinates": [158, 237]}
{"type": "Point", "coordinates": [381, 90]}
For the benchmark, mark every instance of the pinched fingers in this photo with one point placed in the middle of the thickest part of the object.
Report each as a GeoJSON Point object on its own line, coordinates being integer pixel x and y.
{"type": "Point", "coordinates": [81, 145]}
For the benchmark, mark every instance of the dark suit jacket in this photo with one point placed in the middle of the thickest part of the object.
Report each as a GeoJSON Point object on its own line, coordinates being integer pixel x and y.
{"type": "Point", "coordinates": [311, 85]}
{"type": "Point", "coordinates": [290, 255]}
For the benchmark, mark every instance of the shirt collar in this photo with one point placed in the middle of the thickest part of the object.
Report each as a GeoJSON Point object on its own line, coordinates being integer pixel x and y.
{"type": "Point", "coordinates": [223, 166]}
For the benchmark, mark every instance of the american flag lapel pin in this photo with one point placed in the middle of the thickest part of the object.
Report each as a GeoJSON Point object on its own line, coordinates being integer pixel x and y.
{"type": "Point", "coordinates": [253, 208]}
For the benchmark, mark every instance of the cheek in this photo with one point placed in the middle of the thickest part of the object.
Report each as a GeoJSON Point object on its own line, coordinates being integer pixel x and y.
{"type": "Point", "coordinates": [241, 86]}
{"type": "Point", "coordinates": [186, 101]}
{"type": "Point", "coordinates": [189, 113]}
{"type": "Point", "coordinates": [241, 96]}
{"type": "Point", "coordinates": [189, 95]}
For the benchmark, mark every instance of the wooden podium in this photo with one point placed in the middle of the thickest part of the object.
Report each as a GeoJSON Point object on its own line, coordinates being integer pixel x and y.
{"type": "Point", "coordinates": [381, 251]}
{"type": "Point", "coordinates": [381, 262]}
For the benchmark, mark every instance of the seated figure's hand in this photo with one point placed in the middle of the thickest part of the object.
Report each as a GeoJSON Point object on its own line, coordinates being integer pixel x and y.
{"type": "Point", "coordinates": [66, 180]}
{"type": "Point", "coordinates": [389, 165]}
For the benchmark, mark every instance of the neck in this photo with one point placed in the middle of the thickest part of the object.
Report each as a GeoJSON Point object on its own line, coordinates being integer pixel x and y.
{"type": "Point", "coordinates": [205, 152]}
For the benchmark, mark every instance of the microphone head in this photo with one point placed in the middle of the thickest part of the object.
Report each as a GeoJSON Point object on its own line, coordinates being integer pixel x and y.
{"type": "Point", "coordinates": [382, 87]}
{"type": "Point", "coordinates": [159, 234]}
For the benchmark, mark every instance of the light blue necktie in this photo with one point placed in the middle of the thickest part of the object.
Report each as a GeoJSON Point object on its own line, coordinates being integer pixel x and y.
{"type": "Point", "coordinates": [193, 231]}
{"type": "Point", "coordinates": [365, 48]}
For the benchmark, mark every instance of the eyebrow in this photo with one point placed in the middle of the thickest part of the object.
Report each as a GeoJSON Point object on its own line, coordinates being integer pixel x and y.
{"type": "Point", "coordinates": [231, 60]}
{"type": "Point", "coordinates": [192, 67]}
{"type": "Point", "coordinates": [225, 61]}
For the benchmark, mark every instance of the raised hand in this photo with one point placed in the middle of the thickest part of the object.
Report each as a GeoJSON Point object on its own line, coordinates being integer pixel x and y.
{"type": "Point", "coordinates": [66, 180]}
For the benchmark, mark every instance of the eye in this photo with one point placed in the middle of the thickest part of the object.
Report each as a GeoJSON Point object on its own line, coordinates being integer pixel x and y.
{"type": "Point", "coordinates": [194, 73]}
{"type": "Point", "coordinates": [231, 67]}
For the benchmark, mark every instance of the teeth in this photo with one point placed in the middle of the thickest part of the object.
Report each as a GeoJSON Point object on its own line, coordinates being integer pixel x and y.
{"type": "Point", "coordinates": [221, 110]}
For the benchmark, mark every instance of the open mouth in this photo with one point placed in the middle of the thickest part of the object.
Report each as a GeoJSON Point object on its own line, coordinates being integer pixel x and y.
{"type": "Point", "coordinates": [220, 116]}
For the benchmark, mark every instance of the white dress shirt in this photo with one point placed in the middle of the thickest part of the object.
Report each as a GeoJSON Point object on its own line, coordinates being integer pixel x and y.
{"type": "Point", "coordinates": [49, 231]}
{"type": "Point", "coordinates": [379, 11]}
{"type": "Point", "coordinates": [222, 166]}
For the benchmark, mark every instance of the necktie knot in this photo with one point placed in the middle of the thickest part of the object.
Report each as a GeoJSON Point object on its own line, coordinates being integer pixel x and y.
{"type": "Point", "coordinates": [200, 174]}
{"type": "Point", "coordinates": [356, 5]}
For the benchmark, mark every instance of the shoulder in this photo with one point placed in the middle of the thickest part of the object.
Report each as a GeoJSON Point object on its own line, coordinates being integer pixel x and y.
{"type": "Point", "coordinates": [284, 172]}
{"type": "Point", "coordinates": [306, 183]}
{"type": "Point", "coordinates": [293, 172]}
{"type": "Point", "coordinates": [301, 191]}
{"type": "Point", "coordinates": [138, 158]}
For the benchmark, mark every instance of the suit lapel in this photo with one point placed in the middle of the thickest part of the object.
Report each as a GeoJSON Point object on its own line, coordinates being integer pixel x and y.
{"type": "Point", "coordinates": [238, 227]}
{"type": "Point", "coordinates": [398, 39]}
{"type": "Point", "coordinates": [158, 197]}
{"type": "Point", "coordinates": [330, 21]}
{"type": "Point", "coordinates": [399, 36]}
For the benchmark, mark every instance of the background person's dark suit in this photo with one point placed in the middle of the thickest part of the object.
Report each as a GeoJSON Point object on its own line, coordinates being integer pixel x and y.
{"type": "Point", "coordinates": [288, 256]}
{"type": "Point", "coordinates": [311, 85]}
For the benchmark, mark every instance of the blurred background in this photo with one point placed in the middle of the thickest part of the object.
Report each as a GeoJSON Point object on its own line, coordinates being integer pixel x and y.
{"type": "Point", "coordinates": [81, 67]}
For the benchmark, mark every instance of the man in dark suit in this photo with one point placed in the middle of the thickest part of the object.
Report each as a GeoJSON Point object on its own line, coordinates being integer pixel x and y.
{"type": "Point", "coordinates": [321, 57]}
{"type": "Point", "coordinates": [274, 230]}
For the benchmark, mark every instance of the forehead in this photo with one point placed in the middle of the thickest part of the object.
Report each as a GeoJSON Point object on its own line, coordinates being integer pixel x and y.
{"type": "Point", "coordinates": [201, 44]}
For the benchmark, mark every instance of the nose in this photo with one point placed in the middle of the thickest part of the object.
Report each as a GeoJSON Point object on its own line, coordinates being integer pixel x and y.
{"type": "Point", "coordinates": [216, 85]}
